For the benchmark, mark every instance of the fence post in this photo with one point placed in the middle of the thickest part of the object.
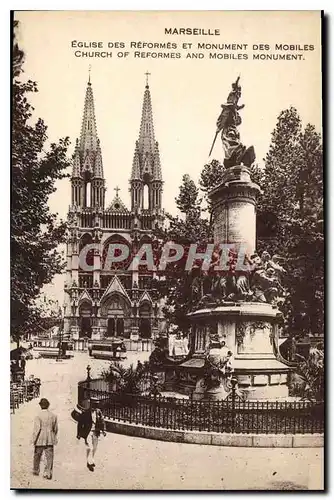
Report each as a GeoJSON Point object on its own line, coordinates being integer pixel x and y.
{"type": "Point", "coordinates": [234, 383]}
{"type": "Point", "coordinates": [154, 408]}
{"type": "Point", "coordinates": [88, 368]}
{"type": "Point", "coordinates": [191, 409]}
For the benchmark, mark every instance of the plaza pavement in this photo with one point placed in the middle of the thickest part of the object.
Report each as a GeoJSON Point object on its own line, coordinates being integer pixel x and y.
{"type": "Point", "coordinates": [124, 462]}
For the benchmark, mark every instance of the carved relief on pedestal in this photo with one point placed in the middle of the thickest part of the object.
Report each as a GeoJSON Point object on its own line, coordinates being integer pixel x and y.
{"type": "Point", "coordinates": [254, 337]}
{"type": "Point", "coordinates": [201, 338]}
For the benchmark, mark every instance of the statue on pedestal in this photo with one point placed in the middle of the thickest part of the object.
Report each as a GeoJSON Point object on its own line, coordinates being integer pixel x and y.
{"type": "Point", "coordinates": [218, 370]}
{"type": "Point", "coordinates": [228, 121]}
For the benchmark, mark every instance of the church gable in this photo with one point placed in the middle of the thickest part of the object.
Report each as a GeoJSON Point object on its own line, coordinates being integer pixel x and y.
{"type": "Point", "coordinates": [85, 297]}
{"type": "Point", "coordinates": [145, 298]}
{"type": "Point", "coordinates": [117, 206]}
{"type": "Point", "coordinates": [115, 286]}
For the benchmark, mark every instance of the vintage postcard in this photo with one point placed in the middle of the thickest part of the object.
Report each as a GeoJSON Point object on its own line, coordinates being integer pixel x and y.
{"type": "Point", "coordinates": [167, 296]}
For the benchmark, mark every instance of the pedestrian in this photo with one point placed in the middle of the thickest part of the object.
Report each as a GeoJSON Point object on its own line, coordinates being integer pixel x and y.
{"type": "Point", "coordinates": [90, 425]}
{"type": "Point", "coordinates": [44, 438]}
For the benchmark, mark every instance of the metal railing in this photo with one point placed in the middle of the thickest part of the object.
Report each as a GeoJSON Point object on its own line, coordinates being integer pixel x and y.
{"type": "Point", "coordinates": [232, 415]}
{"type": "Point", "coordinates": [23, 391]}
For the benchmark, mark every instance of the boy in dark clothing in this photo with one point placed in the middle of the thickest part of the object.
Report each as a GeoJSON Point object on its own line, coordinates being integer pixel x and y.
{"type": "Point", "coordinates": [90, 425]}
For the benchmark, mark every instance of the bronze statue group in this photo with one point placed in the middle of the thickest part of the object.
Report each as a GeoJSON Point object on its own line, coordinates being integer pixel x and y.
{"type": "Point", "coordinates": [259, 280]}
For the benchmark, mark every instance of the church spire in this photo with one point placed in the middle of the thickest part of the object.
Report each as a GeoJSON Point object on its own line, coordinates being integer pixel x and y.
{"type": "Point", "coordinates": [146, 161]}
{"type": "Point", "coordinates": [146, 133]}
{"type": "Point", "coordinates": [88, 138]}
{"type": "Point", "coordinates": [146, 167]}
{"type": "Point", "coordinates": [87, 162]}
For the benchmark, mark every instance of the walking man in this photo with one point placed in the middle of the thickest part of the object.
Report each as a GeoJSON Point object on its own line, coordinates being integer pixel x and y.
{"type": "Point", "coordinates": [44, 438]}
{"type": "Point", "coordinates": [90, 425]}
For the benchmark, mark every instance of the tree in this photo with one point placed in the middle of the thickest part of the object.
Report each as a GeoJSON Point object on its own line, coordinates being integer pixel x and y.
{"type": "Point", "coordinates": [18, 54]}
{"type": "Point", "coordinates": [187, 201]}
{"type": "Point", "coordinates": [175, 281]}
{"type": "Point", "coordinates": [312, 376]}
{"type": "Point", "coordinates": [211, 176]}
{"type": "Point", "coordinates": [35, 231]}
{"type": "Point", "coordinates": [290, 217]}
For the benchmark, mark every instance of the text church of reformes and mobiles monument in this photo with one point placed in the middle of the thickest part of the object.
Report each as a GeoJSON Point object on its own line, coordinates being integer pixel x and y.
{"type": "Point", "coordinates": [116, 302]}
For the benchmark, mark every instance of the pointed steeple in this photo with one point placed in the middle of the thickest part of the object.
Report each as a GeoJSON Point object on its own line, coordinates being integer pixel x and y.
{"type": "Point", "coordinates": [87, 161]}
{"type": "Point", "coordinates": [146, 166]}
{"type": "Point", "coordinates": [88, 138]}
{"type": "Point", "coordinates": [146, 133]}
{"type": "Point", "coordinates": [98, 162]}
{"type": "Point", "coordinates": [135, 164]}
{"type": "Point", "coordinates": [76, 161]}
{"type": "Point", "coordinates": [157, 165]}
{"type": "Point", "coordinates": [89, 145]}
{"type": "Point", "coordinates": [146, 156]}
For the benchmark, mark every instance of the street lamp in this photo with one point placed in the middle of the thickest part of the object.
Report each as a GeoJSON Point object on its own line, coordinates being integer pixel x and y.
{"type": "Point", "coordinates": [60, 336]}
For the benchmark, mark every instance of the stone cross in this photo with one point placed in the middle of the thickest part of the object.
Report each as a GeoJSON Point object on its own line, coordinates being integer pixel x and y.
{"type": "Point", "coordinates": [117, 189]}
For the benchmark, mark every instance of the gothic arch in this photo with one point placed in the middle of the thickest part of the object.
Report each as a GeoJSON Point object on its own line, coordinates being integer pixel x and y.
{"type": "Point", "coordinates": [87, 239]}
{"type": "Point", "coordinates": [116, 311]}
{"type": "Point", "coordinates": [85, 299]}
{"type": "Point", "coordinates": [85, 318]}
{"type": "Point", "coordinates": [145, 319]}
{"type": "Point", "coordinates": [122, 265]}
{"type": "Point", "coordinates": [106, 237]}
{"type": "Point", "coordinates": [115, 303]}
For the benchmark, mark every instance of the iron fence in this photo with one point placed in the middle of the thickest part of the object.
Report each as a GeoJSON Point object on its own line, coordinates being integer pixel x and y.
{"type": "Point", "coordinates": [232, 415]}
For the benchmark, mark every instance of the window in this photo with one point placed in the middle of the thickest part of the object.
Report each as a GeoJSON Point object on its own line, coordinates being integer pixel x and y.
{"type": "Point", "coordinates": [88, 195]}
{"type": "Point", "coordinates": [146, 197]}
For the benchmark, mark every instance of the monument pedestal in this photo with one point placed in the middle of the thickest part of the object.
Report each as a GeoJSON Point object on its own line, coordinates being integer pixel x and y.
{"type": "Point", "coordinates": [234, 208]}
{"type": "Point", "coordinates": [249, 330]}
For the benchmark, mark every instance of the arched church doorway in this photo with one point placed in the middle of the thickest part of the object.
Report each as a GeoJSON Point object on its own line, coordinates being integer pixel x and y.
{"type": "Point", "coordinates": [120, 327]}
{"type": "Point", "coordinates": [111, 327]}
{"type": "Point", "coordinates": [115, 327]}
{"type": "Point", "coordinates": [145, 329]}
{"type": "Point", "coordinates": [116, 312]}
{"type": "Point", "coordinates": [145, 326]}
{"type": "Point", "coordinates": [86, 323]}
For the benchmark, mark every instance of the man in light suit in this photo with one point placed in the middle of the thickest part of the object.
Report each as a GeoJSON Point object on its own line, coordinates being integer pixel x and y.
{"type": "Point", "coordinates": [44, 438]}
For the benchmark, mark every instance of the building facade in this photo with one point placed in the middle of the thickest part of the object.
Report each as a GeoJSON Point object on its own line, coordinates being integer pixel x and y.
{"type": "Point", "coordinates": [110, 300]}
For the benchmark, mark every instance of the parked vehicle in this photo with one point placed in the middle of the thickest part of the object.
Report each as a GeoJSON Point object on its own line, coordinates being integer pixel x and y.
{"type": "Point", "coordinates": [115, 349]}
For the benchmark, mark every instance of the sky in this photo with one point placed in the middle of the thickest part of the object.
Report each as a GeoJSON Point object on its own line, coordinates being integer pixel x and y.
{"type": "Point", "coordinates": [186, 92]}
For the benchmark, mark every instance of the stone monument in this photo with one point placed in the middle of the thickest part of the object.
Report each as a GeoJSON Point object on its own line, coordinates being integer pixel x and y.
{"type": "Point", "coordinates": [241, 309]}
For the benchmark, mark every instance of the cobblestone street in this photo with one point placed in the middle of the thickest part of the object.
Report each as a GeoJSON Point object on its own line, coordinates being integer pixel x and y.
{"type": "Point", "coordinates": [124, 462]}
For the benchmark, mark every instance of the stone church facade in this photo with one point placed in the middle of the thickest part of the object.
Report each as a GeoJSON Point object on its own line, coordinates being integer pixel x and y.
{"type": "Point", "coordinates": [103, 303]}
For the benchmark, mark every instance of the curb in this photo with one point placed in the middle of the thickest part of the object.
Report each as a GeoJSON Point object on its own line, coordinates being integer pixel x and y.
{"type": "Point", "coordinates": [218, 439]}
{"type": "Point", "coordinates": [213, 438]}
